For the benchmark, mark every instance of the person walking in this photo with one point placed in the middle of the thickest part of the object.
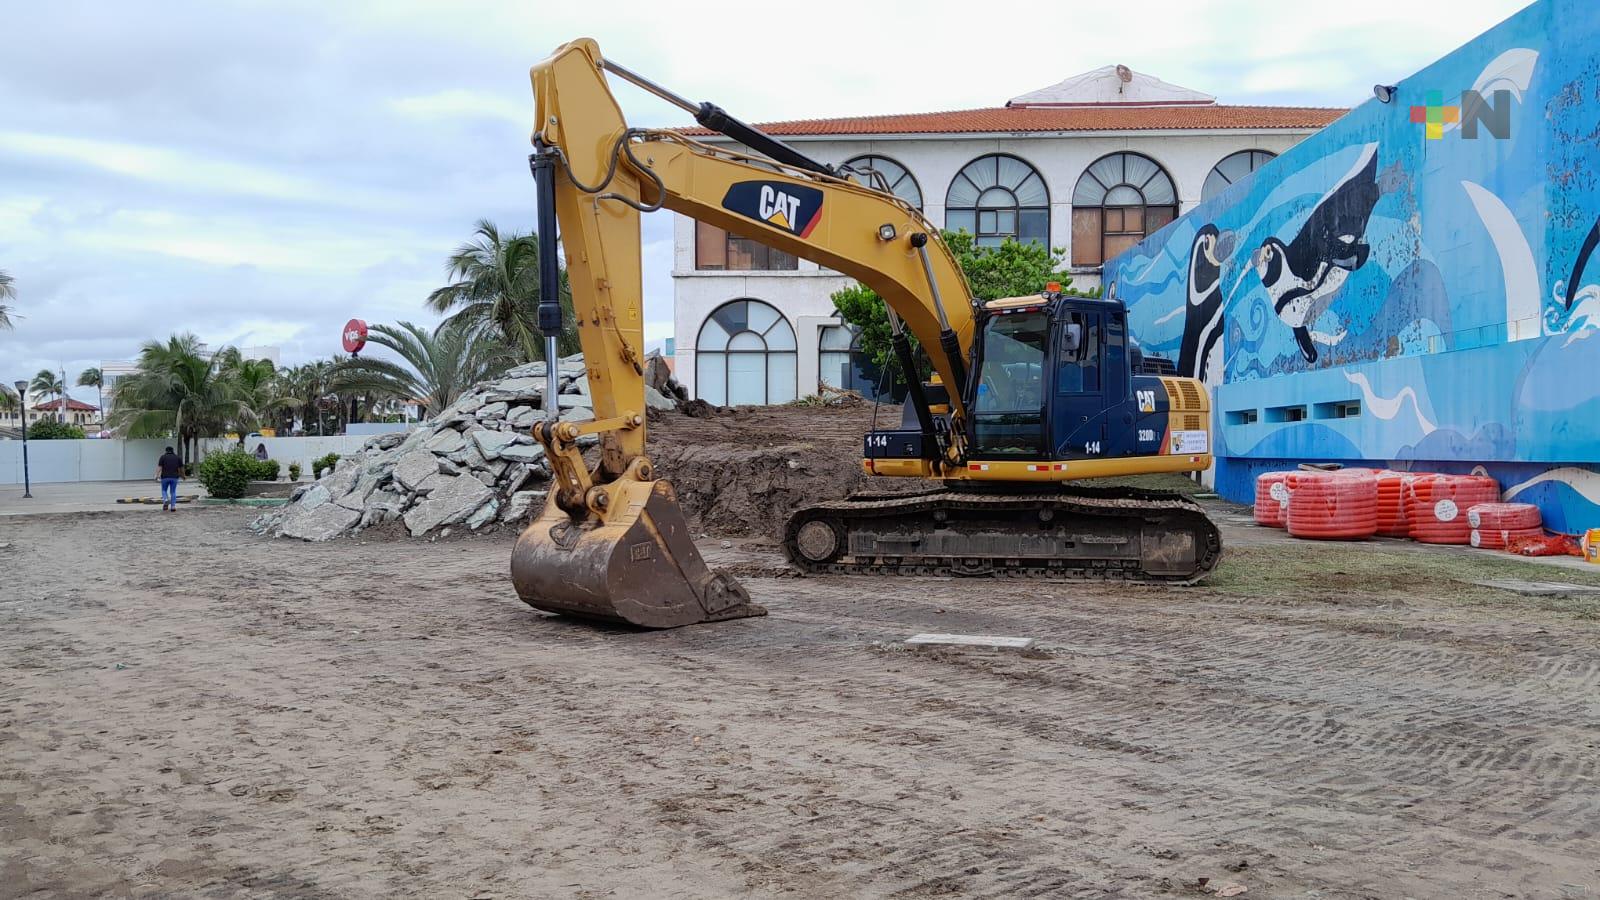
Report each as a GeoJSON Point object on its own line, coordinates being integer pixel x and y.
{"type": "Point", "coordinates": [261, 452]}
{"type": "Point", "coordinates": [169, 468]}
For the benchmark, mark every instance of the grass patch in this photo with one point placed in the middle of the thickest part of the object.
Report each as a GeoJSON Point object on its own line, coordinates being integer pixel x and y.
{"type": "Point", "coordinates": [1324, 571]}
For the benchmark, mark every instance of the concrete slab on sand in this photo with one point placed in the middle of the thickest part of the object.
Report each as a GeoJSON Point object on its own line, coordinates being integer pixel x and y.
{"type": "Point", "coordinates": [1540, 588]}
{"type": "Point", "coordinates": [971, 640]}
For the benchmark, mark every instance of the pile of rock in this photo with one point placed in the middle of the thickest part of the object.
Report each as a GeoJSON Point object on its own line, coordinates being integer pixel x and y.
{"type": "Point", "coordinates": [473, 465]}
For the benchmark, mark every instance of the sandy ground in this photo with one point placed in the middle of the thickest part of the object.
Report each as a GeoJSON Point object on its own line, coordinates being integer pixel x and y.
{"type": "Point", "coordinates": [190, 710]}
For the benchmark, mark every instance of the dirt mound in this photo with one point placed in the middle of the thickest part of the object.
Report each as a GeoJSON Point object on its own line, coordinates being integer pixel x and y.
{"type": "Point", "coordinates": [743, 470]}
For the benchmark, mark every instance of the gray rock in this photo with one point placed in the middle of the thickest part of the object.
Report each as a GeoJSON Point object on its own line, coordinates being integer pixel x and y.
{"type": "Point", "coordinates": [522, 416]}
{"type": "Point", "coordinates": [445, 441]}
{"type": "Point", "coordinates": [573, 401]}
{"type": "Point", "coordinates": [522, 453]}
{"type": "Point", "coordinates": [323, 523]}
{"type": "Point", "coordinates": [495, 410]}
{"type": "Point", "coordinates": [449, 502]}
{"type": "Point", "coordinates": [468, 457]}
{"type": "Point", "coordinates": [485, 476]}
{"type": "Point", "coordinates": [520, 387]}
{"type": "Point", "coordinates": [383, 506]}
{"type": "Point", "coordinates": [492, 444]}
{"type": "Point", "coordinates": [318, 495]}
{"type": "Point", "coordinates": [467, 404]}
{"type": "Point", "coordinates": [527, 370]}
{"type": "Point", "coordinates": [657, 400]}
{"type": "Point", "coordinates": [413, 467]}
{"type": "Point", "coordinates": [387, 441]}
{"type": "Point", "coordinates": [484, 515]}
{"type": "Point", "coordinates": [521, 505]}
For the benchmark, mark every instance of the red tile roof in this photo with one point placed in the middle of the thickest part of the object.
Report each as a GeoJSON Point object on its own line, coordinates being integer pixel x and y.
{"type": "Point", "coordinates": [72, 405]}
{"type": "Point", "coordinates": [1033, 119]}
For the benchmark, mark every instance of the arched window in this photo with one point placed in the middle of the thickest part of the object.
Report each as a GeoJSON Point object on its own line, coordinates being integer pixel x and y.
{"type": "Point", "coordinates": [745, 355]}
{"type": "Point", "coordinates": [1118, 201]}
{"type": "Point", "coordinates": [841, 363]}
{"type": "Point", "coordinates": [997, 197]}
{"type": "Point", "coordinates": [1232, 168]}
{"type": "Point", "coordinates": [868, 169]}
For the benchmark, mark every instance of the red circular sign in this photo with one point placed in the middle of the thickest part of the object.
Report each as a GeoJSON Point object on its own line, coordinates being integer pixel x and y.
{"type": "Point", "coordinates": [355, 336]}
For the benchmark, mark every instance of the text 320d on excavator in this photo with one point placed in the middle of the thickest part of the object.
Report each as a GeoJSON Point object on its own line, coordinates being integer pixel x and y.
{"type": "Point", "coordinates": [1028, 392]}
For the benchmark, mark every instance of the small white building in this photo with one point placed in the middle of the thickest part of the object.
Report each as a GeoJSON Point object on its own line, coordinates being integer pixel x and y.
{"type": "Point", "coordinates": [1090, 165]}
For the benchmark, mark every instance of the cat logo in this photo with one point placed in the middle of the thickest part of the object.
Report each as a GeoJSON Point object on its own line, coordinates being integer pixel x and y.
{"type": "Point", "coordinates": [795, 208]}
{"type": "Point", "coordinates": [1147, 401]}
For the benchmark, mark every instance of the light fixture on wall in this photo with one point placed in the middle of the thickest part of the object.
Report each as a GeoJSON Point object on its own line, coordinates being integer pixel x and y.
{"type": "Point", "coordinates": [1385, 92]}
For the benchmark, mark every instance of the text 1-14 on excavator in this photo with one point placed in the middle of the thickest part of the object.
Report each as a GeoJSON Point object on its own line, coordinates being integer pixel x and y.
{"type": "Point", "coordinates": [1028, 393]}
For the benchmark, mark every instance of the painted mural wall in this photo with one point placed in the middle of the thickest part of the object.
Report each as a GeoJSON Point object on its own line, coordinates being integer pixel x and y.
{"type": "Point", "coordinates": [1416, 286]}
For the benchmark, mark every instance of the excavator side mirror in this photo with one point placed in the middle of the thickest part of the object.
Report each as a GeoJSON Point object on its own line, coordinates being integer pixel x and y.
{"type": "Point", "coordinates": [1071, 337]}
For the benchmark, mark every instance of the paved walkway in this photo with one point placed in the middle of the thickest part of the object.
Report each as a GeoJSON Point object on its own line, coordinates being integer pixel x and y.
{"type": "Point", "coordinates": [87, 496]}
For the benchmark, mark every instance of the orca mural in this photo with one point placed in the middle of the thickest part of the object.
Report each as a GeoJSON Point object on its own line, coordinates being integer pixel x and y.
{"type": "Point", "coordinates": [1414, 286]}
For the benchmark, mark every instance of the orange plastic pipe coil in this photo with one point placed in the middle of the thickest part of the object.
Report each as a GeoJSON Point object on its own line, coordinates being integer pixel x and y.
{"type": "Point", "coordinates": [1437, 506]}
{"type": "Point", "coordinates": [1335, 506]}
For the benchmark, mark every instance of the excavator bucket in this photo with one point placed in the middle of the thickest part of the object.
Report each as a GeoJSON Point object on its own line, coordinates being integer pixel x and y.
{"type": "Point", "coordinates": [637, 566]}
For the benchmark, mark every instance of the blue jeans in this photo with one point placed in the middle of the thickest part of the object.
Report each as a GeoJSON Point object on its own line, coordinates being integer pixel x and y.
{"type": "Point", "coordinates": [169, 491]}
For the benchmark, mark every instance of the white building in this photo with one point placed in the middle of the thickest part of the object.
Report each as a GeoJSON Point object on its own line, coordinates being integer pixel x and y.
{"type": "Point", "coordinates": [1092, 165]}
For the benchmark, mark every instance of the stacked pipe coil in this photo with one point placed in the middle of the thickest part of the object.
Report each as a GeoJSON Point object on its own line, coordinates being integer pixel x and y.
{"type": "Point", "coordinates": [1338, 506]}
{"type": "Point", "coordinates": [1437, 505]}
{"type": "Point", "coordinates": [1496, 525]}
{"type": "Point", "coordinates": [1272, 499]}
{"type": "Point", "coordinates": [1392, 521]}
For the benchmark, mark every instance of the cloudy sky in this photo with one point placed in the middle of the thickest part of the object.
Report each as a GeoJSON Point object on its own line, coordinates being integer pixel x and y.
{"type": "Point", "coordinates": [259, 172]}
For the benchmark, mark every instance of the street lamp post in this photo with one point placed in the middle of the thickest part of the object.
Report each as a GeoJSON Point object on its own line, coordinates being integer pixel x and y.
{"type": "Point", "coordinates": [22, 403]}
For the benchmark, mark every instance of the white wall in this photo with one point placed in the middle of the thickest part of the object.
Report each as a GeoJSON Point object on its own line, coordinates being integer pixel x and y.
{"type": "Point", "coordinates": [934, 160]}
{"type": "Point", "coordinates": [116, 460]}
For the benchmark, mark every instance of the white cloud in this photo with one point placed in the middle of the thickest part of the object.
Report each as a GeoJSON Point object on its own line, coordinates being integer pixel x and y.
{"type": "Point", "coordinates": [261, 172]}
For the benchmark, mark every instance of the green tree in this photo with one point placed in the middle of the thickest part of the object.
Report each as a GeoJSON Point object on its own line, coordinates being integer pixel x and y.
{"type": "Point", "coordinates": [1013, 269]}
{"type": "Point", "coordinates": [256, 384]}
{"type": "Point", "coordinates": [178, 390]}
{"type": "Point", "coordinates": [51, 430]}
{"type": "Point", "coordinates": [495, 290]}
{"type": "Point", "coordinates": [93, 378]}
{"type": "Point", "coordinates": [439, 366]}
{"type": "Point", "coordinates": [47, 385]}
{"type": "Point", "coordinates": [8, 291]}
{"type": "Point", "coordinates": [303, 390]}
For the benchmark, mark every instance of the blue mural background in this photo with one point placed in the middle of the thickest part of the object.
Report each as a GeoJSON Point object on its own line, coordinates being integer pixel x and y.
{"type": "Point", "coordinates": [1449, 286]}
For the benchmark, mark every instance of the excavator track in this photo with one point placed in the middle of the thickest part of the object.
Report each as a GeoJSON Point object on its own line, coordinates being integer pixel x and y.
{"type": "Point", "coordinates": [1071, 533]}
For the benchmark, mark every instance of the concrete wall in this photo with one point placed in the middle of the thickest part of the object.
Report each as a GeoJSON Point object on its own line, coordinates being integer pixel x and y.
{"type": "Point", "coordinates": [1448, 282]}
{"type": "Point", "coordinates": [115, 460]}
{"type": "Point", "coordinates": [934, 161]}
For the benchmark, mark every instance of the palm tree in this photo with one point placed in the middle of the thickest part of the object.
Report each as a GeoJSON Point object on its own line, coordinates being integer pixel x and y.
{"type": "Point", "coordinates": [256, 384]}
{"type": "Point", "coordinates": [93, 378]}
{"type": "Point", "coordinates": [442, 364]}
{"type": "Point", "coordinates": [303, 389]}
{"type": "Point", "coordinates": [178, 390]}
{"type": "Point", "coordinates": [496, 290]}
{"type": "Point", "coordinates": [8, 291]}
{"type": "Point", "coordinates": [46, 384]}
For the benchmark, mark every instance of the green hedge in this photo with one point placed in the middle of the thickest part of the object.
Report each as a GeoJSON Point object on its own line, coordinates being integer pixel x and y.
{"type": "Point", "coordinates": [323, 463]}
{"type": "Point", "coordinates": [52, 430]}
{"type": "Point", "coordinates": [226, 475]}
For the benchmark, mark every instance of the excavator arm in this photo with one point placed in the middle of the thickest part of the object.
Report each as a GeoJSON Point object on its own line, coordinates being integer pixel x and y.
{"type": "Point", "coordinates": [611, 542]}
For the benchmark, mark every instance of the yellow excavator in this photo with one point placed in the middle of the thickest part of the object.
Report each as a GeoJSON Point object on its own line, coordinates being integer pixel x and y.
{"type": "Point", "coordinates": [1028, 392]}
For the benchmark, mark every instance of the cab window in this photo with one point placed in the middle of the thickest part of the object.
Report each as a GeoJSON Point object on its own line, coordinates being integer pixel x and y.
{"type": "Point", "coordinates": [1078, 367]}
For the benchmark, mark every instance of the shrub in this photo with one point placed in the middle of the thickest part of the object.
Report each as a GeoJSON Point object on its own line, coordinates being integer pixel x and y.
{"type": "Point", "coordinates": [266, 470]}
{"type": "Point", "coordinates": [226, 475]}
{"type": "Point", "coordinates": [294, 471]}
{"type": "Point", "coordinates": [323, 463]}
{"type": "Point", "coordinates": [51, 430]}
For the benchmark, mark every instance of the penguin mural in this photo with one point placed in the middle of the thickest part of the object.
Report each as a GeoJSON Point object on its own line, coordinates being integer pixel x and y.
{"type": "Point", "coordinates": [1201, 353]}
{"type": "Point", "coordinates": [1303, 276]}
{"type": "Point", "coordinates": [1584, 253]}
